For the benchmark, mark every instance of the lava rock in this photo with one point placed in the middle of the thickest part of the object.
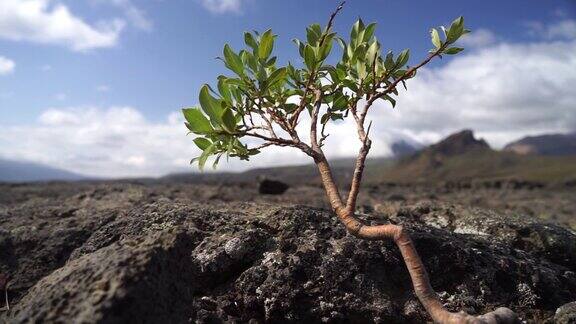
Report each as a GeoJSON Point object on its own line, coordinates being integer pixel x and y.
{"type": "Point", "coordinates": [272, 187]}
{"type": "Point", "coordinates": [566, 314]}
{"type": "Point", "coordinates": [125, 256]}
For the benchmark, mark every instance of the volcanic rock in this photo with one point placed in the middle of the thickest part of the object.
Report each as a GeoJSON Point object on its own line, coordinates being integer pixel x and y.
{"type": "Point", "coordinates": [272, 187]}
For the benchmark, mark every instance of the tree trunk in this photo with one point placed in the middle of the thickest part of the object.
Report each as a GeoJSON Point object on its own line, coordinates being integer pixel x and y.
{"type": "Point", "coordinates": [418, 274]}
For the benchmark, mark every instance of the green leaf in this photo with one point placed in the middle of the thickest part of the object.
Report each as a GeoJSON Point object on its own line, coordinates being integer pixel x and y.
{"type": "Point", "coordinates": [228, 120]}
{"type": "Point", "coordinates": [309, 57]}
{"type": "Point", "coordinates": [205, 155]}
{"type": "Point", "coordinates": [402, 58]}
{"type": "Point", "coordinates": [210, 105]}
{"type": "Point", "coordinates": [359, 53]}
{"type": "Point", "coordinates": [224, 89]}
{"type": "Point", "coordinates": [389, 61]}
{"type": "Point", "coordinates": [357, 28]}
{"type": "Point", "coordinates": [266, 44]}
{"type": "Point", "coordinates": [202, 142]}
{"type": "Point", "coordinates": [276, 76]}
{"type": "Point", "coordinates": [233, 61]}
{"type": "Point", "coordinates": [250, 41]}
{"type": "Point", "coordinates": [372, 53]}
{"type": "Point", "coordinates": [340, 102]}
{"type": "Point", "coordinates": [326, 47]}
{"type": "Point", "coordinates": [300, 46]}
{"type": "Point", "coordinates": [453, 50]}
{"type": "Point", "coordinates": [435, 38]}
{"type": "Point", "coordinates": [313, 34]}
{"type": "Point", "coordinates": [217, 160]}
{"type": "Point", "coordinates": [392, 100]}
{"type": "Point", "coordinates": [456, 30]}
{"type": "Point", "coordinates": [196, 122]}
{"type": "Point", "coordinates": [361, 69]}
{"type": "Point", "coordinates": [350, 85]}
{"type": "Point", "coordinates": [369, 32]}
{"type": "Point", "coordinates": [341, 42]}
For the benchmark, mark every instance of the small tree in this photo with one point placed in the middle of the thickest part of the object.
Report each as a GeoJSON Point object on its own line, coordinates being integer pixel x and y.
{"type": "Point", "coordinates": [265, 102]}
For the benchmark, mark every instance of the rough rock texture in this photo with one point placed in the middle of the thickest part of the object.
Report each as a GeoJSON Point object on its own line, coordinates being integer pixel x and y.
{"type": "Point", "coordinates": [272, 187]}
{"type": "Point", "coordinates": [566, 314]}
{"type": "Point", "coordinates": [124, 253]}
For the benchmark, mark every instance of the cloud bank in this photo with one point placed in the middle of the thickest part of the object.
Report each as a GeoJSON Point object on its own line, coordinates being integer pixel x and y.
{"type": "Point", "coordinates": [50, 22]}
{"type": "Point", "coordinates": [7, 66]}
{"type": "Point", "coordinates": [502, 90]}
{"type": "Point", "coordinates": [222, 6]}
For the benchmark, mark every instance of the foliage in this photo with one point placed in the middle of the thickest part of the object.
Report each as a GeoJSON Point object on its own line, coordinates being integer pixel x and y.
{"type": "Point", "coordinates": [263, 100]}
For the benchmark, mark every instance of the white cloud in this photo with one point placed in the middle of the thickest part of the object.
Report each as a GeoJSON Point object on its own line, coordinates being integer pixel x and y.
{"type": "Point", "coordinates": [478, 38]}
{"type": "Point", "coordinates": [223, 6]}
{"type": "Point", "coordinates": [119, 141]}
{"type": "Point", "coordinates": [46, 67]}
{"type": "Point", "coordinates": [563, 29]}
{"type": "Point", "coordinates": [51, 22]}
{"type": "Point", "coordinates": [136, 16]}
{"type": "Point", "coordinates": [7, 66]}
{"type": "Point", "coordinates": [503, 91]}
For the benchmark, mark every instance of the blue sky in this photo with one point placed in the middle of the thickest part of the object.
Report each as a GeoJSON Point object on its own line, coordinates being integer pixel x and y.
{"type": "Point", "coordinates": [112, 60]}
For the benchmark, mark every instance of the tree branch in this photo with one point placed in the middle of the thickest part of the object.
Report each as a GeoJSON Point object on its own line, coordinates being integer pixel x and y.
{"type": "Point", "coordinates": [312, 76]}
{"type": "Point", "coordinates": [363, 135]}
{"type": "Point", "coordinates": [314, 120]}
{"type": "Point", "coordinates": [404, 77]}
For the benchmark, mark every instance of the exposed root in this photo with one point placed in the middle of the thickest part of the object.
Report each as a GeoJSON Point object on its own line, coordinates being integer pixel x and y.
{"type": "Point", "coordinates": [6, 299]}
{"type": "Point", "coordinates": [419, 275]}
{"type": "Point", "coordinates": [4, 286]}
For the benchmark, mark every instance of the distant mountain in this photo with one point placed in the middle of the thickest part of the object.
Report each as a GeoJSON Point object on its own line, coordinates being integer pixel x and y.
{"type": "Point", "coordinates": [342, 169]}
{"type": "Point", "coordinates": [548, 144]}
{"type": "Point", "coordinates": [461, 156]}
{"type": "Point", "coordinates": [19, 171]}
{"type": "Point", "coordinates": [435, 156]}
{"type": "Point", "coordinates": [403, 148]}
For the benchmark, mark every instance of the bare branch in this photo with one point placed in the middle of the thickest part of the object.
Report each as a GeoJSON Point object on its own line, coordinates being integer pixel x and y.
{"type": "Point", "coordinates": [406, 75]}
{"type": "Point", "coordinates": [313, 74]}
{"type": "Point", "coordinates": [314, 120]}
{"type": "Point", "coordinates": [331, 21]}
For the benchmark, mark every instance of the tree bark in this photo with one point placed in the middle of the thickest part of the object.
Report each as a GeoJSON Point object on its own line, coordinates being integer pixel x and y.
{"type": "Point", "coordinates": [416, 269]}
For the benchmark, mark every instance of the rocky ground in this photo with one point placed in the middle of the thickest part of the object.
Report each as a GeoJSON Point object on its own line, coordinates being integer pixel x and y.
{"type": "Point", "coordinates": [146, 251]}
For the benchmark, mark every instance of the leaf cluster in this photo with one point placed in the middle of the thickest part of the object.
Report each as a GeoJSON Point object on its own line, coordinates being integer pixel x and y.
{"type": "Point", "coordinates": [261, 99]}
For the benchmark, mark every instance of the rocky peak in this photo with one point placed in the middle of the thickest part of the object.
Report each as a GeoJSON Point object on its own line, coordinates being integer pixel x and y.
{"type": "Point", "coordinates": [547, 144]}
{"type": "Point", "coordinates": [458, 143]}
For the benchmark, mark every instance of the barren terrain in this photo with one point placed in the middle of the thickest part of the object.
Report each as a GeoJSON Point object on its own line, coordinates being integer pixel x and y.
{"type": "Point", "coordinates": [222, 252]}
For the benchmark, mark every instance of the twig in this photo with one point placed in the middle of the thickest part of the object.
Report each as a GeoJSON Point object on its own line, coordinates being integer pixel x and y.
{"type": "Point", "coordinates": [408, 73]}
{"type": "Point", "coordinates": [6, 297]}
{"type": "Point", "coordinates": [4, 286]}
{"type": "Point", "coordinates": [330, 21]}
{"type": "Point", "coordinates": [314, 120]}
{"type": "Point", "coordinates": [294, 119]}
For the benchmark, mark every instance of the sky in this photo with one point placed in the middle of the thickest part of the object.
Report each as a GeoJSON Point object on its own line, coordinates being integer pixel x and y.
{"type": "Point", "coordinates": [95, 86]}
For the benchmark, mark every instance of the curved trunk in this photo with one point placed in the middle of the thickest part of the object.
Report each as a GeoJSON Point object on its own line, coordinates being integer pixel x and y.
{"type": "Point", "coordinates": [418, 274]}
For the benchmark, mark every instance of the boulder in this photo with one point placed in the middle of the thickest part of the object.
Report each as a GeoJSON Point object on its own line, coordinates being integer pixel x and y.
{"type": "Point", "coordinates": [150, 258]}
{"type": "Point", "coordinates": [272, 187]}
{"type": "Point", "coordinates": [566, 314]}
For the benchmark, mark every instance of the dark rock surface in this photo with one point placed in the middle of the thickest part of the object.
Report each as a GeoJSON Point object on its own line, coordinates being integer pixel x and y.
{"type": "Point", "coordinates": [114, 253]}
{"type": "Point", "coordinates": [566, 314]}
{"type": "Point", "coordinates": [272, 187]}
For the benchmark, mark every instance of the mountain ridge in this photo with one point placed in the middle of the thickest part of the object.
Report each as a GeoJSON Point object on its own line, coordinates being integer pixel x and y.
{"type": "Point", "coordinates": [24, 171]}
{"type": "Point", "coordinates": [545, 144]}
